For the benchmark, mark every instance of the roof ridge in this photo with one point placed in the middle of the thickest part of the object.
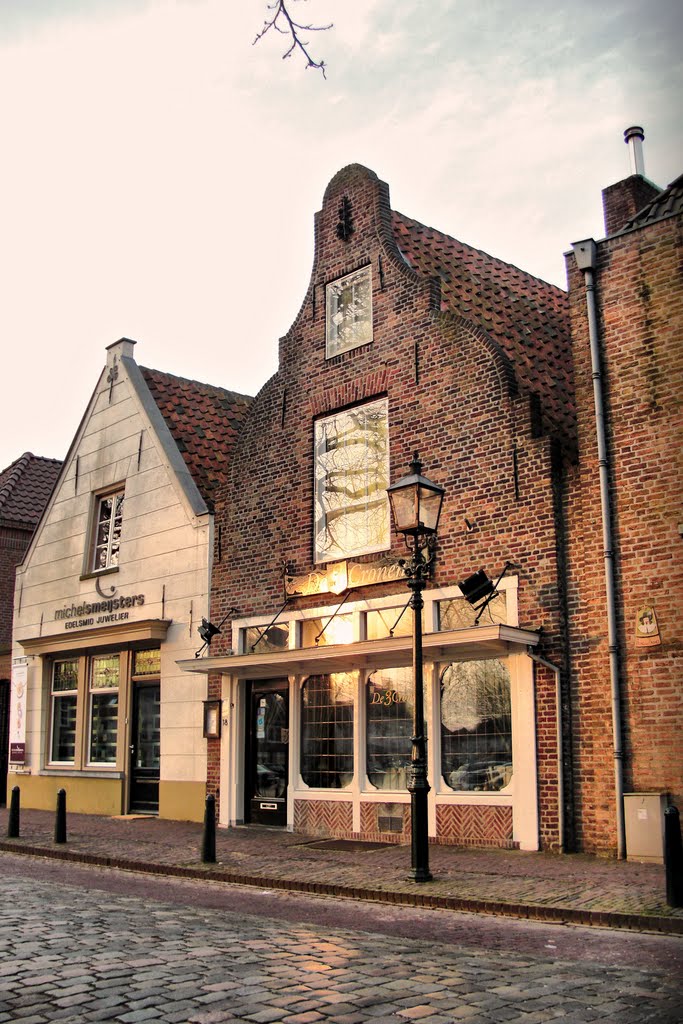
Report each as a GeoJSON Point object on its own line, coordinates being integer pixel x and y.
{"type": "Point", "coordinates": [482, 252]}
{"type": "Point", "coordinates": [14, 472]}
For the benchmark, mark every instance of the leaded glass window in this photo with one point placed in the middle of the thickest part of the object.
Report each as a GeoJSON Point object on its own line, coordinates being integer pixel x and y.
{"type": "Point", "coordinates": [104, 708]}
{"type": "Point", "coordinates": [108, 522]}
{"type": "Point", "coordinates": [147, 663]}
{"type": "Point", "coordinates": [64, 706]}
{"type": "Point", "coordinates": [348, 312]}
{"type": "Point", "coordinates": [327, 730]}
{"type": "Point", "coordinates": [476, 725]}
{"type": "Point", "coordinates": [389, 727]}
{"type": "Point", "coordinates": [351, 477]}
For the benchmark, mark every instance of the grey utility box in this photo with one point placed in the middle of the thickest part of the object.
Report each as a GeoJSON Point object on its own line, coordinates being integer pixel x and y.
{"type": "Point", "coordinates": [644, 821]}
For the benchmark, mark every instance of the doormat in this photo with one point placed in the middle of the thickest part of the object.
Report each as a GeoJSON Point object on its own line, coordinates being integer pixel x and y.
{"type": "Point", "coordinates": [352, 845]}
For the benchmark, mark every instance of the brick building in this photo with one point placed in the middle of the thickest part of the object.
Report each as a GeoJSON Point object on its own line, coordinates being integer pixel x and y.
{"type": "Point", "coordinates": [634, 278]}
{"type": "Point", "coordinates": [109, 596]}
{"type": "Point", "coordinates": [25, 487]}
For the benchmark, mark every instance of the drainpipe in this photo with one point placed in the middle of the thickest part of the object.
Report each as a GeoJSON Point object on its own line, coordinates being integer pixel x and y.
{"type": "Point", "coordinates": [558, 720]}
{"type": "Point", "coordinates": [585, 253]}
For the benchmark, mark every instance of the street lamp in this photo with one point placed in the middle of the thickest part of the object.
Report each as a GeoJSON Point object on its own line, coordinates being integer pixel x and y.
{"type": "Point", "coordinates": [415, 507]}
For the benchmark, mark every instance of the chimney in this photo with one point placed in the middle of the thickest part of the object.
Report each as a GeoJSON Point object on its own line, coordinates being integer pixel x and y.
{"type": "Point", "coordinates": [622, 201]}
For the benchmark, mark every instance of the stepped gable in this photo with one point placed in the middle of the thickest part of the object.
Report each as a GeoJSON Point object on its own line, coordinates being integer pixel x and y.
{"type": "Point", "coordinates": [527, 317]}
{"type": "Point", "coordinates": [25, 488]}
{"type": "Point", "coordinates": [669, 203]}
{"type": "Point", "coordinates": [204, 421]}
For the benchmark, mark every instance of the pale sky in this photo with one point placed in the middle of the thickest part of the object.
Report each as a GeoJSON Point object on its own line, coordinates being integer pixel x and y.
{"type": "Point", "coordinates": [160, 174]}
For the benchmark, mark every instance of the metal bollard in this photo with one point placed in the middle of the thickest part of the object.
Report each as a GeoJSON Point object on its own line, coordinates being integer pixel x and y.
{"type": "Point", "coordinates": [13, 820]}
{"type": "Point", "coordinates": [209, 837]}
{"type": "Point", "coordinates": [60, 817]}
{"type": "Point", "coordinates": [673, 857]}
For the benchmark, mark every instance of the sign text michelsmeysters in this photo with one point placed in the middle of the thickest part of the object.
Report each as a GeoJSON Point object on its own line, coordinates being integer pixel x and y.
{"type": "Point", "coordinates": [91, 613]}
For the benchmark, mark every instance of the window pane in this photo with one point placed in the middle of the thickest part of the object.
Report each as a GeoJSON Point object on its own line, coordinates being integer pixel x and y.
{"type": "Point", "coordinates": [389, 727]}
{"type": "Point", "coordinates": [103, 727]}
{"type": "Point", "coordinates": [104, 672]}
{"type": "Point", "coordinates": [65, 675]}
{"type": "Point", "coordinates": [460, 614]}
{"type": "Point", "coordinates": [259, 639]}
{"type": "Point", "coordinates": [337, 631]}
{"type": "Point", "coordinates": [476, 725]}
{"type": "Point", "coordinates": [386, 622]}
{"type": "Point", "coordinates": [351, 477]}
{"type": "Point", "coordinates": [147, 663]}
{"type": "Point", "coordinates": [327, 730]}
{"type": "Point", "coordinates": [63, 728]}
{"type": "Point", "coordinates": [349, 312]}
{"type": "Point", "coordinates": [108, 531]}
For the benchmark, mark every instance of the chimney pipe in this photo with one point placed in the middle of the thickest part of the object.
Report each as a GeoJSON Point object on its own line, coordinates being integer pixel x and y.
{"type": "Point", "coordinates": [633, 137]}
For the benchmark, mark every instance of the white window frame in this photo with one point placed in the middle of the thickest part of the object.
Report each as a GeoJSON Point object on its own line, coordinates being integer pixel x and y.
{"type": "Point", "coordinates": [118, 495]}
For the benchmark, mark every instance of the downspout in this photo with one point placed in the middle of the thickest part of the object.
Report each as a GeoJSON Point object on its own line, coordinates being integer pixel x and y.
{"type": "Point", "coordinates": [558, 721]}
{"type": "Point", "coordinates": [585, 253]}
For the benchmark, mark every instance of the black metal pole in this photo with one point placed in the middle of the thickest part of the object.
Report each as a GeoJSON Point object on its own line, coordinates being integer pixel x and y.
{"type": "Point", "coordinates": [418, 785]}
{"type": "Point", "coordinates": [209, 837]}
{"type": "Point", "coordinates": [60, 817]}
{"type": "Point", "coordinates": [13, 820]}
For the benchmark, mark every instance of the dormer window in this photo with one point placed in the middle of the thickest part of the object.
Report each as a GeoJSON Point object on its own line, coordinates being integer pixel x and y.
{"type": "Point", "coordinates": [349, 312]}
{"type": "Point", "coordinates": [107, 531]}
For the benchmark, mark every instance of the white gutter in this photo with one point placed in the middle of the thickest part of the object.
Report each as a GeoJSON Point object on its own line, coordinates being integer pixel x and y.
{"type": "Point", "coordinates": [586, 256]}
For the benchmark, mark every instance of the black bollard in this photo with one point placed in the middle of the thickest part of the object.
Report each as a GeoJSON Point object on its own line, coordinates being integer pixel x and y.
{"type": "Point", "coordinates": [60, 817]}
{"type": "Point", "coordinates": [209, 837]}
{"type": "Point", "coordinates": [673, 857]}
{"type": "Point", "coordinates": [13, 820]}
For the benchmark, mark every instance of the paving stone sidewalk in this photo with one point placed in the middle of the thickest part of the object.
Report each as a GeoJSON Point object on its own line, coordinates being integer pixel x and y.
{"type": "Point", "coordinates": [573, 888]}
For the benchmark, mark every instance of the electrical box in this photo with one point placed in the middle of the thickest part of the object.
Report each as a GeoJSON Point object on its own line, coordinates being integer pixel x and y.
{"type": "Point", "coordinates": [644, 822]}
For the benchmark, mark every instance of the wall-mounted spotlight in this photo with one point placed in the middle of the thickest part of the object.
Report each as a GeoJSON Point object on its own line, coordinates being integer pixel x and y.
{"type": "Point", "coordinates": [478, 587]}
{"type": "Point", "coordinates": [208, 631]}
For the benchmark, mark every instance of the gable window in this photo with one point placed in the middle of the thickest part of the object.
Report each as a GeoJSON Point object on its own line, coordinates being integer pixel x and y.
{"type": "Point", "coordinates": [108, 520]}
{"type": "Point", "coordinates": [348, 312]}
{"type": "Point", "coordinates": [351, 477]}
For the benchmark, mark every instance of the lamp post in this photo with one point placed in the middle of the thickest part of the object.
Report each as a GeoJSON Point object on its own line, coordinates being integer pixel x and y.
{"type": "Point", "coordinates": [415, 507]}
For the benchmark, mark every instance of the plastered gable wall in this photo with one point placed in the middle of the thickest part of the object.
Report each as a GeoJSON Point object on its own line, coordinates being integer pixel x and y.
{"type": "Point", "coordinates": [164, 555]}
{"type": "Point", "coordinates": [451, 395]}
{"type": "Point", "coordinates": [640, 300]}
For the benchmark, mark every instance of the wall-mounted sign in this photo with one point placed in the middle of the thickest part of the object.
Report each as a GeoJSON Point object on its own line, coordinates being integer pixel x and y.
{"type": "Point", "coordinates": [96, 613]}
{"type": "Point", "coordinates": [647, 629]}
{"type": "Point", "coordinates": [337, 577]}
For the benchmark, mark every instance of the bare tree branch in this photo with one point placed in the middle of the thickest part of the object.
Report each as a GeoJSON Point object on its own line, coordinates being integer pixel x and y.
{"type": "Point", "coordinates": [283, 23]}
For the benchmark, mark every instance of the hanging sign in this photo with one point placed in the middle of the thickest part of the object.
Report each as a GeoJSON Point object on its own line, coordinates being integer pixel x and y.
{"type": "Point", "coordinates": [17, 713]}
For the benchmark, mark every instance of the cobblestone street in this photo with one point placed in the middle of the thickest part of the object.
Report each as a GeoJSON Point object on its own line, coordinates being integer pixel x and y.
{"type": "Point", "coordinates": [74, 953]}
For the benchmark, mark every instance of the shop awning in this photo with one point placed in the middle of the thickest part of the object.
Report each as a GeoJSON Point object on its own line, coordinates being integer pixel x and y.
{"type": "Point", "coordinates": [470, 644]}
{"type": "Point", "coordinates": [135, 632]}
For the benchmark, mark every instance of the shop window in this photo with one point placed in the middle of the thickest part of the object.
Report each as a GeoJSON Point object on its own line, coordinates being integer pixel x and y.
{"type": "Point", "coordinates": [266, 639]}
{"type": "Point", "coordinates": [476, 726]}
{"type": "Point", "coordinates": [330, 630]}
{"type": "Point", "coordinates": [327, 730]}
{"type": "Point", "coordinates": [459, 614]}
{"type": "Point", "coordinates": [351, 477]}
{"type": "Point", "coordinates": [348, 312]}
{"type": "Point", "coordinates": [384, 622]}
{"type": "Point", "coordinates": [107, 531]}
{"type": "Point", "coordinates": [104, 708]}
{"type": "Point", "coordinates": [64, 698]}
{"type": "Point", "coordinates": [389, 727]}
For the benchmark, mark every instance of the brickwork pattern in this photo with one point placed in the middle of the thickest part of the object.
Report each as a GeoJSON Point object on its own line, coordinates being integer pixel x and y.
{"type": "Point", "coordinates": [469, 825]}
{"type": "Point", "coordinates": [323, 817]}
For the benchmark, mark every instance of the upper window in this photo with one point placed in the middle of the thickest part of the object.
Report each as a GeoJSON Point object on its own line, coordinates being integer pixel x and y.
{"type": "Point", "coordinates": [349, 312]}
{"type": "Point", "coordinates": [109, 516]}
{"type": "Point", "coordinates": [351, 477]}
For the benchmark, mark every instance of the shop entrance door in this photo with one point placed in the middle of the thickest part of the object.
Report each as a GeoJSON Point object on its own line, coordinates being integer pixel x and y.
{"type": "Point", "coordinates": [267, 751]}
{"type": "Point", "coordinates": [145, 749]}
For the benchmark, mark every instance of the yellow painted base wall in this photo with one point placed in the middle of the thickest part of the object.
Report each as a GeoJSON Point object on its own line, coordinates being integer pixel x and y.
{"type": "Point", "coordinates": [83, 796]}
{"type": "Point", "coordinates": [182, 801]}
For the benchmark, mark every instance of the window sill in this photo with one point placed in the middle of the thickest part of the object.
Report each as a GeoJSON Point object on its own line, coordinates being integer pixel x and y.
{"type": "Point", "coordinates": [81, 773]}
{"type": "Point", "coordinates": [99, 572]}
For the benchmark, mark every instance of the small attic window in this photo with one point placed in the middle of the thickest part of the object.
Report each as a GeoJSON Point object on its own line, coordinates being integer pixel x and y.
{"type": "Point", "coordinates": [348, 312]}
{"type": "Point", "coordinates": [107, 531]}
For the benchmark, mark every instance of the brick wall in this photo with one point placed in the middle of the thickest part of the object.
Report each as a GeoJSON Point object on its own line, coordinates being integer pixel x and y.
{"type": "Point", "coordinates": [13, 545]}
{"type": "Point", "coordinates": [451, 395]}
{"type": "Point", "coordinates": [640, 298]}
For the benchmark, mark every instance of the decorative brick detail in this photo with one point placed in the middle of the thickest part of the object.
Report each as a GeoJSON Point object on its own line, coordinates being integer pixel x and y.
{"type": "Point", "coordinates": [323, 817]}
{"type": "Point", "coordinates": [467, 824]}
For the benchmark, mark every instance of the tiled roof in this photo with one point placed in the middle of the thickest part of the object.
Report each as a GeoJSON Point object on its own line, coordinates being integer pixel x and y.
{"type": "Point", "coordinates": [667, 204]}
{"type": "Point", "coordinates": [527, 317]}
{"type": "Point", "coordinates": [25, 488]}
{"type": "Point", "coordinates": [204, 421]}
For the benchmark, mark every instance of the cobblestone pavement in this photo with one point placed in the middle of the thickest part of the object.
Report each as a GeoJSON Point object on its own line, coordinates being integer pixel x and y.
{"type": "Point", "coordinates": [70, 953]}
{"type": "Point", "coordinates": [572, 887]}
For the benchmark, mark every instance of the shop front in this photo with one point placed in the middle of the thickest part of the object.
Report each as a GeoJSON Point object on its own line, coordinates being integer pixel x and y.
{"type": "Point", "coordinates": [317, 719]}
